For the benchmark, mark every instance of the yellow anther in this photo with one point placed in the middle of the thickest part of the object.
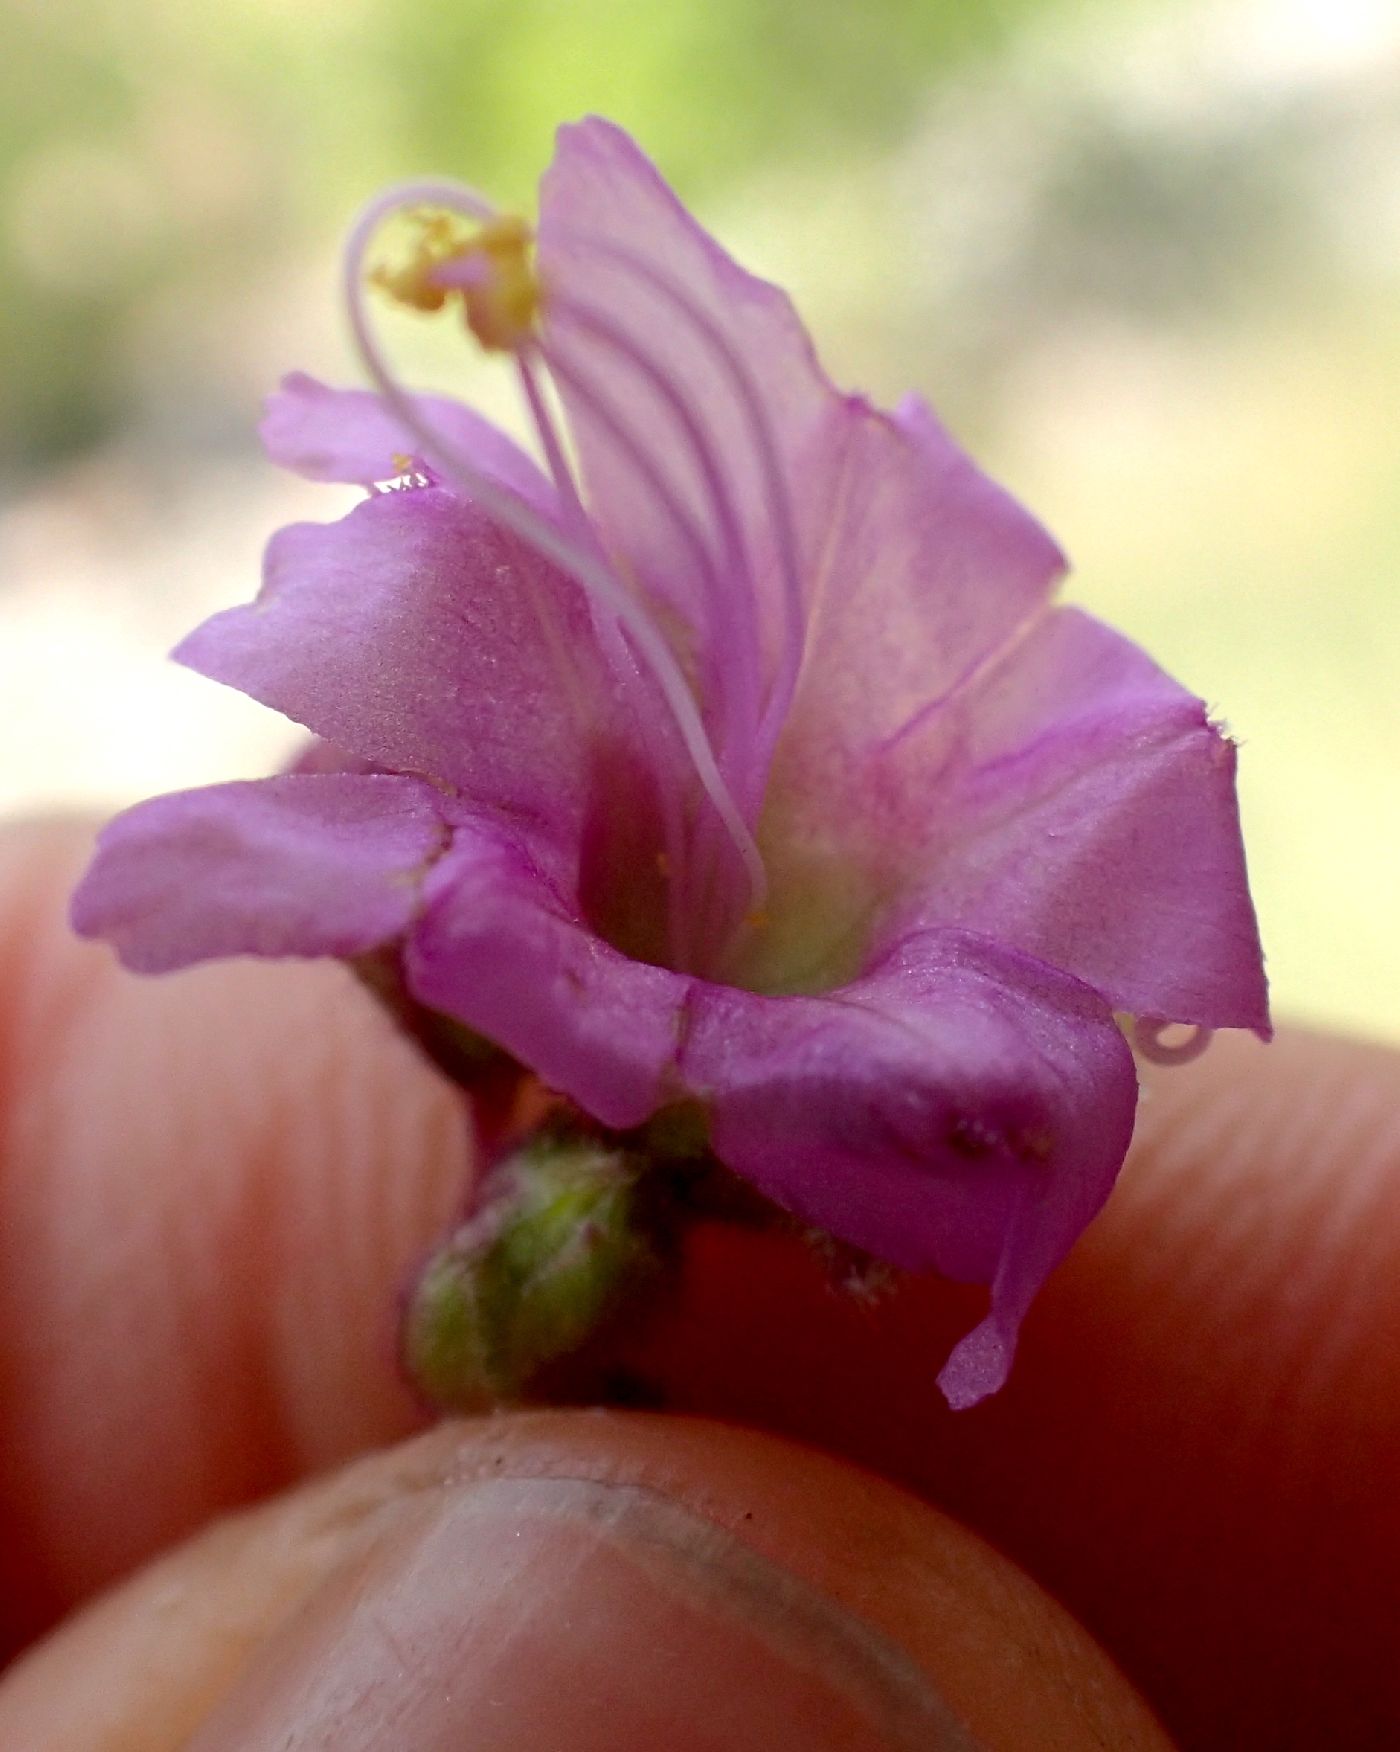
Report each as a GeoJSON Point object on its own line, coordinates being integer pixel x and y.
{"type": "Point", "coordinates": [490, 268]}
{"type": "Point", "coordinates": [758, 920]}
{"type": "Point", "coordinates": [438, 238]}
{"type": "Point", "coordinates": [501, 310]}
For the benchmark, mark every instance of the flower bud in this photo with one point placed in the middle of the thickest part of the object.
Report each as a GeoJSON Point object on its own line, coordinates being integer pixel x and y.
{"type": "Point", "coordinates": [548, 1253]}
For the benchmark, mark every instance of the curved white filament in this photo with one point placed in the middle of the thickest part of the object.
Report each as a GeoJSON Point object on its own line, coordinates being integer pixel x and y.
{"type": "Point", "coordinates": [590, 397]}
{"type": "Point", "coordinates": [780, 512]}
{"type": "Point", "coordinates": [591, 574]}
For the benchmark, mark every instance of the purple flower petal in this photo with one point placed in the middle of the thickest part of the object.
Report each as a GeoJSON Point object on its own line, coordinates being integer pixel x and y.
{"type": "Point", "coordinates": [602, 195]}
{"type": "Point", "coordinates": [961, 1108]}
{"type": "Point", "coordinates": [318, 756]}
{"type": "Point", "coordinates": [418, 637]}
{"type": "Point", "coordinates": [1070, 800]}
{"type": "Point", "coordinates": [913, 566]}
{"type": "Point", "coordinates": [1092, 822]}
{"type": "Point", "coordinates": [350, 435]}
{"type": "Point", "coordinates": [927, 568]}
{"type": "Point", "coordinates": [326, 865]}
{"type": "Point", "coordinates": [501, 947]}
{"type": "Point", "coordinates": [986, 823]}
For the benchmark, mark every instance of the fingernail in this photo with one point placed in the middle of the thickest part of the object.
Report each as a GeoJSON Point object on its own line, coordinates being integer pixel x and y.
{"type": "Point", "coordinates": [534, 1614]}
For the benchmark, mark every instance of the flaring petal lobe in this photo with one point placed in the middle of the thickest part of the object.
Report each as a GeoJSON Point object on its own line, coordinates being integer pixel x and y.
{"type": "Point", "coordinates": [501, 946]}
{"type": "Point", "coordinates": [418, 637]}
{"type": "Point", "coordinates": [1091, 820]}
{"type": "Point", "coordinates": [329, 864]}
{"type": "Point", "coordinates": [1069, 800]}
{"type": "Point", "coordinates": [924, 569]}
{"type": "Point", "coordinates": [350, 435]}
{"type": "Point", "coordinates": [961, 1108]}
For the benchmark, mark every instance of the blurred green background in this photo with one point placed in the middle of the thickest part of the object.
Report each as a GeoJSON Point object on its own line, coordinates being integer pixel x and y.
{"type": "Point", "coordinates": [1144, 255]}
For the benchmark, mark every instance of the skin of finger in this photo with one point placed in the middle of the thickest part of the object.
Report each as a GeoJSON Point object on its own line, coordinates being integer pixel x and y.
{"type": "Point", "coordinates": [1198, 1449]}
{"type": "Point", "coordinates": [719, 1585]}
{"type": "Point", "coordinates": [212, 1189]}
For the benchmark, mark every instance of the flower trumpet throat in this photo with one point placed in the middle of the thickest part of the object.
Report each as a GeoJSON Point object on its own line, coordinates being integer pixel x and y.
{"type": "Point", "coordinates": [731, 756]}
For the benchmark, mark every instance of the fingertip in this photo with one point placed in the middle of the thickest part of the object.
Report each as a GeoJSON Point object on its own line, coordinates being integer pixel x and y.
{"type": "Point", "coordinates": [590, 1580]}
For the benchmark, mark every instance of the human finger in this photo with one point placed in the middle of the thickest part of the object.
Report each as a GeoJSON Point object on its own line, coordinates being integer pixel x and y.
{"type": "Point", "coordinates": [211, 1191]}
{"type": "Point", "coordinates": [589, 1580]}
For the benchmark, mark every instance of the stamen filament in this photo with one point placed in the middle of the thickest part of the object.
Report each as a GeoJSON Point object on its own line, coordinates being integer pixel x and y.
{"type": "Point", "coordinates": [605, 625]}
{"type": "Point", "coordinates": [729, 582]}
{"type": "Point", "coordinates": [595, 578]}
{"type": "Point", "coordinates": [560, 470]}
{"type": "Point", "coordinates": [687, 881]}
{"type": "Point", "coordinates": [780, 511]}
{"type": "Point", "coordinates": [603, 410]}
{"type": "Point", "coordinates": [615, 650]}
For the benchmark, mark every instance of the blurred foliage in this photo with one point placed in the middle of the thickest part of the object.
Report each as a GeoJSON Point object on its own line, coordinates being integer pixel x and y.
{"type": "Point", "coordinates": [145, 142]}
{"type": "Point", "coordinates": [711, 87]}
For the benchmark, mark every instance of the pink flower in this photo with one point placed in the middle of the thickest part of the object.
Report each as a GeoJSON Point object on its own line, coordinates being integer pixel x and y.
{"type": "Point", "coordinates": [753, 768]}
